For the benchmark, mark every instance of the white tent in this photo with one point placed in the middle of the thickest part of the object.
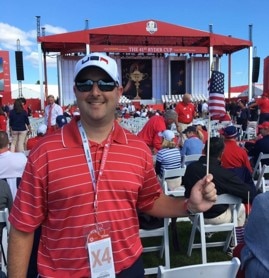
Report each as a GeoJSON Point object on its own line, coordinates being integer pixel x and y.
{"type": "Point", "coordinates": [32, 90]}
{"type": "Point", "coordinates": [26, 92]}
{"type": "Point", "coordinates": [257, 91]}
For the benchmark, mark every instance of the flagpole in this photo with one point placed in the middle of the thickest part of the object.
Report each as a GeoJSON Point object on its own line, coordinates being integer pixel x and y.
{"type": "Point", "coordinates": [208, 145]}
{"type": "Point", "coordinates": [209, 128]}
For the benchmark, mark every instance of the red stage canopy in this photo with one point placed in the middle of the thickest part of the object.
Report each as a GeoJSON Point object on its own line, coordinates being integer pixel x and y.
{"type": "Point", "coordinates": [148, 36]}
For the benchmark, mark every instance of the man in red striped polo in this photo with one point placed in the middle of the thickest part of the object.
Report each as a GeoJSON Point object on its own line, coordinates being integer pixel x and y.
{"type": "Point", "coordinates": [84, 183]}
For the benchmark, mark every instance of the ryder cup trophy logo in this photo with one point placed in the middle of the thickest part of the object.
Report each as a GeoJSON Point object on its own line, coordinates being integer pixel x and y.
{"type": "Point", "coordinates": [151, 27]}
{"type": "Point", "coordinates": [137, 76]}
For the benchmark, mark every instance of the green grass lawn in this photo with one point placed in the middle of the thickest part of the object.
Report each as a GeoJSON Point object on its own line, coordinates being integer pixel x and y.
{"type": "Point", "coordinates": [180, 257]}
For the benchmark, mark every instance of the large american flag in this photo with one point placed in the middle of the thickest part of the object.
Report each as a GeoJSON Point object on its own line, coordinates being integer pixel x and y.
{"type": "Point", "coordinates": [216, 102]}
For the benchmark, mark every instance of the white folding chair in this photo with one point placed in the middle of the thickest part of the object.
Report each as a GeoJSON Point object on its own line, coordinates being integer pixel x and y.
{"type": "Point", "coordinates": [224, 124]}
{"type": "Point", "coordinates": [163, 247]}
{"type": "Point", "coordinates": [262, 184]}
{"type": "Point", "coordinates": [169, 173]}
{"type": "Point", "coordinates": [4, 219]}
{"type": "Point", "coordinates": [189, 158]}
{"type": "Point", "coordinates": [258, 165]}
{"type": "Point", "coordinates": [199, 225]}
{"type": "Point", "coordinates": [251, 131]}
{"type": "Point", "coordinates": [225, 269]}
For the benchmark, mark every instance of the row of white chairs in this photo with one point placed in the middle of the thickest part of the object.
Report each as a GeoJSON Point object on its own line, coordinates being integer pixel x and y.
{"type": "Point", "coordinates": [178, 98]}
{"type": "Point", "coordinates": [198, 225]}
{"type": "Point", "coordinates": [124, 100]}
{"type": "Point", "coordinates": [220, 269]}
{"type": "Point", "coordinates": [197, 221]}
{"type": "Point", "coordinates": [134, 125]}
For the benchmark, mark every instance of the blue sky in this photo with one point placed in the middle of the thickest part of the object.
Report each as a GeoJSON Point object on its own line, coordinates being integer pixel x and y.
{"type": "Point", "coordinates": [228, 17]}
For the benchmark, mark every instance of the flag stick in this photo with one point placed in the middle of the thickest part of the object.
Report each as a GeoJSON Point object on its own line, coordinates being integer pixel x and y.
{"type": "Point", "coordinates": [248, 204]}
{"type": "Point", "coordinates": [208, 129]}
{"type": "Point", "coordinates": [208, 145]}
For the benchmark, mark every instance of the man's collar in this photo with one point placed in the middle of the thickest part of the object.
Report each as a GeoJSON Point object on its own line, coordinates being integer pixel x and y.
{"type": "Point", "coordinates": [71, 137]}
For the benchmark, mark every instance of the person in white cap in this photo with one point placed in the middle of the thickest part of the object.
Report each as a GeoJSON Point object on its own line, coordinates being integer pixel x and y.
{"type": "Point", "coordinates": [168, 157]}
{"type": "Point", "coordinates": [41, 131]}
{"type": "Point", "coordinates": [84, 183]}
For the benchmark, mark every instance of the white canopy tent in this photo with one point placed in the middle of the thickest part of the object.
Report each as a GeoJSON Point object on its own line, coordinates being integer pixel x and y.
{"type": "Point", "coordinates": [257, 91]}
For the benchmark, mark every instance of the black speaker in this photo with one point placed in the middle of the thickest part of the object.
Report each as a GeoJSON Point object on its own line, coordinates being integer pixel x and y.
{"type": "Point", "coordinates": [19, 65]}
{"type": "Point", "coordinates": [256, 69]}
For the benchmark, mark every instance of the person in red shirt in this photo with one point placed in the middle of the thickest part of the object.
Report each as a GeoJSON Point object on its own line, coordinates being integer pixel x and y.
{"type": "Point", "coordinates": [263, 103]}
{"type": "Point", "coordinates": [186, 111]}
{"type": "Point", "coordinates": [233, 155]}
{"type": "Point", "coordinates": [154, 125]}
{"type": "Point", "coordinates": [3, 120]}
{"type": "Point", "coordinates": [31, 142]}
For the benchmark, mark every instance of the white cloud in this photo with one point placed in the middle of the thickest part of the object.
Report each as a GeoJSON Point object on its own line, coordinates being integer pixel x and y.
{"type": "Point", "coordinates": [49, 29]}
{"type": "Point", "coordinates": [9, 36]}
{"type": "Point", "coordinates": [32, 58]}
{"type": "Point", "coordinates": [27, 42]}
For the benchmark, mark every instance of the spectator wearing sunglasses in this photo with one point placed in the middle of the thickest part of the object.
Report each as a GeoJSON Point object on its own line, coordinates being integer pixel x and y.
{"type": "Point", "coordinates": [85, 182]}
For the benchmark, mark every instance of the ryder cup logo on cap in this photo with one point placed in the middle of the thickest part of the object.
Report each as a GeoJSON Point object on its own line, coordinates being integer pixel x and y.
{"type": "Point", "coordinates": [167, 135]}
{"type": "Point", "coordinates": [99, 60]}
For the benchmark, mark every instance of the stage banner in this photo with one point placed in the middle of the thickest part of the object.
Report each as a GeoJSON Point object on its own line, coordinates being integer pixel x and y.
{"type": "Point", "coordinates": [178, 82]}
{"type": "Point", "coordinates": [137, 78]}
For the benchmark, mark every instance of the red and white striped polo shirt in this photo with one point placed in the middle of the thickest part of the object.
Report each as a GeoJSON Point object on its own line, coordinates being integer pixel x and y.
{"type": "Point", "coordinates": [57, 193]}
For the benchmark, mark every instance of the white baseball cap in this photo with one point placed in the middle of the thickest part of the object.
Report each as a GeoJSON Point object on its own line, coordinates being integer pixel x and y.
{"type": "Point", "coordinates": [101, 61]}
{"type": "Point", "coordinates": [42, 129]}
{"type": "Point", "coordinates": [198, 122]}
{"type": "Point", "coordinates": [168, 135]}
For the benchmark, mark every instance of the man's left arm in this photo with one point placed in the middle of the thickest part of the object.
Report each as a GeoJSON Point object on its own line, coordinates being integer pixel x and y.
{"type": "Point", "coordinates": [202, 198]}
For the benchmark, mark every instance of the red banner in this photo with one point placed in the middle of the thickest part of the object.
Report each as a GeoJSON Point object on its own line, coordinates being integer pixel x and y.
{"type": "Point", "coordinates": [147, 49]}
{"type": "Point", "coordinates": [5, 86]}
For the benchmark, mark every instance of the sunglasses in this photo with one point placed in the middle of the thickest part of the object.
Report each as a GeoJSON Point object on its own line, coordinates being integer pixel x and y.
{"type": "Point", "coordinates": [104, 86]}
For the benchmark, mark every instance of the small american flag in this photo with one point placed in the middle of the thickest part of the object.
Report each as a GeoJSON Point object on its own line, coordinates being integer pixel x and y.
{"type": "Point", "coordinates": [216, 102]}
